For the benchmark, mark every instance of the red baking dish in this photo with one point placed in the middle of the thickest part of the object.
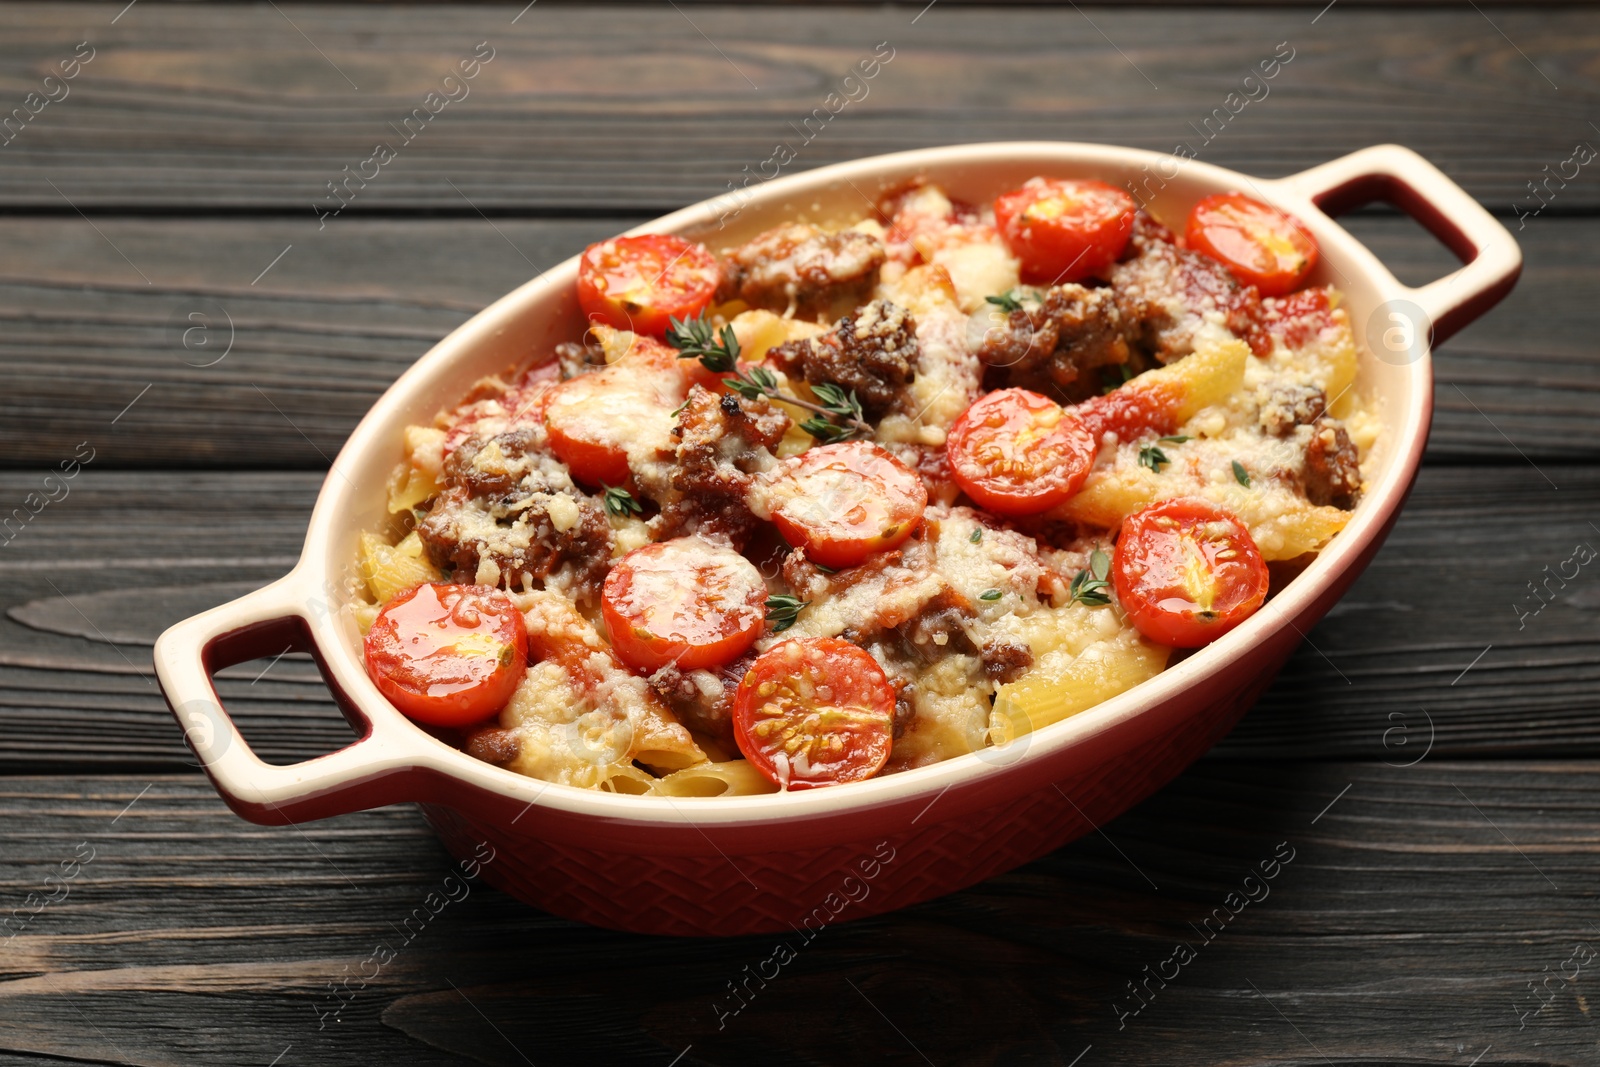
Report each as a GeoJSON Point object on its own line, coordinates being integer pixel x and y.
{"type": "Point", "coordinates": [734, 865]}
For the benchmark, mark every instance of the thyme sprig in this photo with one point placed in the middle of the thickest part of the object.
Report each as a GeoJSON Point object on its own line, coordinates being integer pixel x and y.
{"type": "Point", "coordinates": [844, 417]}
{"type": "Point", "coordinates": [838, 415]}
{"type": "Point", "coordinates": [783, 610]}
{"type": "Point", "coordinates": [1088, 588]}
{"type": "Point", "coordinates": [1151, 456]}
{"type": "Point", "coordinates": [619, 502]}
{"type": "Point", "coordinates": [1005, 302]}
{"type": "Point", "coordinates": [696, 338]}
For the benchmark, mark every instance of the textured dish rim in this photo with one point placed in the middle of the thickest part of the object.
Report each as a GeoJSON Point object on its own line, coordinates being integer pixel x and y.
{"type": "Point", "coordinates": [1408, 426]}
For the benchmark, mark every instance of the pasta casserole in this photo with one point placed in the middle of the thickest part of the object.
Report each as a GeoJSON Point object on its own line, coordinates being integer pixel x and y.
{"type": "Point", "coordinates": [846, 500]}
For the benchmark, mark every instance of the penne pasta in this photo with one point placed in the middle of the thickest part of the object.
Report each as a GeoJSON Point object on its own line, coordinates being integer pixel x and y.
{"type": "Point", "coordinates": [391, 569]}
{"type": "Point", "coordinates": [1066, 681]}
{"type": "Point", "coordinates": [731, 778]}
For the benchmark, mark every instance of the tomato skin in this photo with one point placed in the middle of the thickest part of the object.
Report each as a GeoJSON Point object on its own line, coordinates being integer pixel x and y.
{"type": "Point", "coordinates": [844, 502]}
{"type": "Point", "coordinates": [448, 654]}
{"type": "Point", "coordinates": [683, 602]}
{"type": "Point", "coordinates": [640, 283]}
{"type": "Point", "coordinates": [1017, 452]}
{"type": "Point", "coordinates": [1299, 317]}
{"type": "Point", "coordinates": [1187, 572]}
{"type": "Point", "coordinates": [815, 712]}
{"type": "Point", "coordinates": [1261, 245]}
{"type": "Point", "coordinates": [1131, 410]}
{"type": "Point", "coordinates": [592, 418]}
{"type": "Point", "coordinates": [1064, 230]}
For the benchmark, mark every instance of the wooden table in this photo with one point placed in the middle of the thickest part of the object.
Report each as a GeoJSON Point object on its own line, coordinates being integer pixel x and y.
{"type": "Point", "coordinates": [173, 308]}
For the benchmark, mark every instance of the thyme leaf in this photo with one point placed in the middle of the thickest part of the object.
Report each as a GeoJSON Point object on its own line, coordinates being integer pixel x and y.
{"type": "Point", "coordinates": [696, 338]}
{"type": "Point", "coordinates": [838, 413]}
{"type": "Point", "coordinates": [783, 610]}
{"type": "Point", "coordinates": [619, 502]}
{"type": "Point", "coordinates": [1152, 457]}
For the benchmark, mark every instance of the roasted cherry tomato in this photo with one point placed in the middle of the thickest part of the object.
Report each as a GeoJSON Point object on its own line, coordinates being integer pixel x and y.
{"type": "Point", "coordinates": [1064, 230]}
{"type": "Point", "coordinates": [1187, 572]}
{"type": "Point", "coordinates": [843, 502]}
{"type": "Point", "coordinates": [1299, 317]}
{"type": "Point", "coordinates": [640, 283]}
{"type": "Point", "coordinates": [1017, 452]}
{"type": "Point", "coordinates": [684, 602]}
{"type": "Point", "coordinates": [594, 417]}
{"type": "Point", "coordinates": [815, 711]}
{"type": "Point", "coordinates": [1261, 245]}
{"type": "Point", "coordinates": [448, 655]}
{"type": "Point", "coordinates": [1138, 407]}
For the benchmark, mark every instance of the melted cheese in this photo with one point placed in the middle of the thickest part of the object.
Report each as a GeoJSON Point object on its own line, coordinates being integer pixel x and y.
{"type": "Point", "coordinates": [589, 731]}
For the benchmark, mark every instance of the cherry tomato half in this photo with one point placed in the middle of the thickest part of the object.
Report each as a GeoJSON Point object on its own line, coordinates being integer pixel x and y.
{"type": "Point", "coordinates": [814, 712]}
{"type": "Point", "coordinates": [1062, 230]}
{"type": "Point", "coordinates": [1137, 407]}
{"type": "Point", "coordinates": [1261, 245]}
{"type": "Point", "coordinates": [594, 417]}
{"type": "Point", "coordinates": [1187, 572]}
{"type": "Point", "coordinates": [1017, 452]}
{"type": "Point", "coordinates": [448, 655]}
{"type": "Point", "coordinates": [685, 602]}
{"type": "Point", "coordinates": [843, 502]}
{"type": "Point", "coordinates": [639, 283]}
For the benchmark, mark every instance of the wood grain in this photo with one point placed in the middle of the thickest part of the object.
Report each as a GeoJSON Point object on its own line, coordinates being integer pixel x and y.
{"type": "Point", "coordinates": [1430, 890]}
{"type": "Point", "coordinates": [590, 109]}
{"type": "Point", "coordinates": [337, 318]}
{"type": "Point", "coordinates": [1402, 666]}
{"type": "Point", "coordinates": [1406, 927]}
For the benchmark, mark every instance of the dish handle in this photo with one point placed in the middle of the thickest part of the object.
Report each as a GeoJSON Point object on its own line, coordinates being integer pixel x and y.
{"type": "Point", "coordinates": [372, 771]}
{"type": "Point", "coordinates": [1398, 176]}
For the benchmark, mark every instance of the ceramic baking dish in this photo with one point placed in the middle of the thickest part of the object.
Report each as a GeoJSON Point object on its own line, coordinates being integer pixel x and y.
{"type": "Point", "coordinates": [761, 863]}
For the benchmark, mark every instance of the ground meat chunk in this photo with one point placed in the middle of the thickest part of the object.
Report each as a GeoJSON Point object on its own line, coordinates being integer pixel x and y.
{"type": "Point", "coordinates": [493, 467]}
{"type": "Point", "coordinates": [920, 631]}
{"type": "Point", "coordinates": [1005, 661]}
{"type": "Point", "coordinates": [802, 268]}
{"type": "Point", "coordinates": [1090, 330]}
{"type": "Point", "coordinates": [873, 352]}
{"type": "Point", "coordinates": [905, 710]}
{"type": "Point", "coordinates": [525, 535]}
{"type": "Point", "coordinates": [1333, 465]}
{"type": "Point", "coordinates": [1023, 342]}
{"type": "Point", "coordinates": [1285, 406]}
{"type": "Point", "coordinates": [940, 627]}
{"type": "Point", "coordinates": [491, 744]}
{"type": "Point", "coordinates": [575, 359]}
{"type": "Point", "coordinates": [703, 699]}
{"type": "Point", "coordinates": [511, 512]}
{"type": "Point", "coordinates": [723, 440]}
{"type": "Point", "coordinates": [1071, 331]}
{"type": "Point", "coordinates": [1163, 290]}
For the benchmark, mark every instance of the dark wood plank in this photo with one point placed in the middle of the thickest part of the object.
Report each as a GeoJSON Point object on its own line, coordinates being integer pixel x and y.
{"type": "Point", "coordinates": [1411, 918]}
{"type": "Point", "coordinates": [318, 337]}
{"type": "Point", "coordinates": [240, 372]}
{"type": "Point", "coordinates": [597, 109]}
{"type": "Point", "coordinates": [1385, 677]}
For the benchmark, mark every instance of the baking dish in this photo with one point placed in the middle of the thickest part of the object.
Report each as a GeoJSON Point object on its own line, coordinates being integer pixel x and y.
{"type": "Point", "coordinates": [736, 865]}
